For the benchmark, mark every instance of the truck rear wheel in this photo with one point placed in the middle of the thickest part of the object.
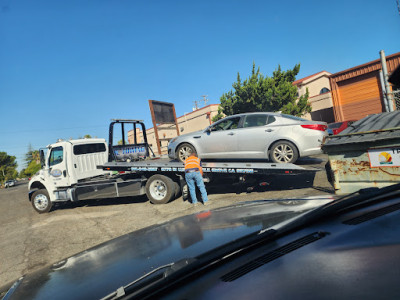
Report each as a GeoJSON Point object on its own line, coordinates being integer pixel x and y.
{"type": "Point", "coordinates": [160, 189]}
{"type": "Point", "coordinates": [41, 201]}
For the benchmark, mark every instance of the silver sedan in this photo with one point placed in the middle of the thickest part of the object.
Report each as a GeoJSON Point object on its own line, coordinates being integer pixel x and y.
{"type": "Point", "coordinates": [278, 137]}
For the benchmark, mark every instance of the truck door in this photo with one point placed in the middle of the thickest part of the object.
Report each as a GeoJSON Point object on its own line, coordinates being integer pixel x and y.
{"type": "Point", "coordinates": [57, 172]}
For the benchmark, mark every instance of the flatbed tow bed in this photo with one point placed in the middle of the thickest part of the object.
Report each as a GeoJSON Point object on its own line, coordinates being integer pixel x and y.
{"type": "Point", "coordinates": [165, 165]}
{"type": "Point", "coordinates": [162, 175]}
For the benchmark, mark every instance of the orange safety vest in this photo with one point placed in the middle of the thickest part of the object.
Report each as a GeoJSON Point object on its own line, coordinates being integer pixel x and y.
{"type": "Point", "coordinates": [193, 162]}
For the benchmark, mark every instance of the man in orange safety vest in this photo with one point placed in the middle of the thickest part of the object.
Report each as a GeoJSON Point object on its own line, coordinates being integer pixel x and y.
{"type": "Point", "coordinates": [193, 176]}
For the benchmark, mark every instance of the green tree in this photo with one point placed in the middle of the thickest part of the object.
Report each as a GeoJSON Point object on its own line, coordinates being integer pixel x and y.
{"type": "Point", "coordinates": [8, 167]}
{"type": "Point", "coordinates": [259, 93]}
{"type": "Point", "coordinates": [32, 155]}
{"type": "Point", "coordinates": [86, 136]}
{"type": "Point", "coordinates": [32, 168]}
{"type": "Point", "coordinates": [22, 174]}
{"type": "Point", "coordinates": [32, 159]}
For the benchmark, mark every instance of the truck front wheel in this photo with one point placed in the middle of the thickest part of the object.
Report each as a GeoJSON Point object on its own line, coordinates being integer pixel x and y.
{"type": "Point", "coordinates": [41, 201]}
{"type": "Point", "coordinates": [160, 189]}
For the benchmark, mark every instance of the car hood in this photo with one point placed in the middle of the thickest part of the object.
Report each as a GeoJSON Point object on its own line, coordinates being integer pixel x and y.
{"type": "Point", "coordinates": [98, 271]}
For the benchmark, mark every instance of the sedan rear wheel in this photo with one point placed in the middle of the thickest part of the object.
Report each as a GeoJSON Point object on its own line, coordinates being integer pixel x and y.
{"type": "Point", "coordinates": [184, 151]}
{"type": "Point", "coordinates": [284, 152]}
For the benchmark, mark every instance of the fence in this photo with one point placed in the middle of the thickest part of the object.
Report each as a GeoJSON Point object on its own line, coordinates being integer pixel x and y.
{"type": "Point", "coordinates": [396, 99]}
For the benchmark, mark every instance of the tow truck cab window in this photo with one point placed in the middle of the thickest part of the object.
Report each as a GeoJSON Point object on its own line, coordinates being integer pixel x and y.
{"type": "Point", "coordinates": [89, 148]}
{"type": "Point", "coordinates": [56, 156]}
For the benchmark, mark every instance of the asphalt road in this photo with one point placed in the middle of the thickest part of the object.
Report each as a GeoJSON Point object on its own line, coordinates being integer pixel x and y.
{"type": "Point", "coordinates": [30, 240]}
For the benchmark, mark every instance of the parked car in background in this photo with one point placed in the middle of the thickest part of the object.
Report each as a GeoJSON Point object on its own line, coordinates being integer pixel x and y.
{"type": "Point", "coordinates": [278, 137]}
{"type": "Point", "coordinates": [336, 128]}
{"type": "Point", "coordinates": [9, 183]}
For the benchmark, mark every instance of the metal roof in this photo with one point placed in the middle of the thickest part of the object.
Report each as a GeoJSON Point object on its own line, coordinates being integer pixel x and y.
{"type": "Point", "coordinates": [377, 127]}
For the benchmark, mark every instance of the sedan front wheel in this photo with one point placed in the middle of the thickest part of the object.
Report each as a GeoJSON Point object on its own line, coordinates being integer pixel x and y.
{"type": "Point", "coordinates": [184, 151]}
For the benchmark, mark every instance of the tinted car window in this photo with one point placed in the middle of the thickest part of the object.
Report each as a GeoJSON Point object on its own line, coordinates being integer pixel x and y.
{"type": "Point", "coordinates": [231, 123]}
{"type": "Point", "coordinates": [89, 148]}
{"type": "Point", "coordinates": [271, 119]}
{"type": "Point", "coordinates": [255, 120]}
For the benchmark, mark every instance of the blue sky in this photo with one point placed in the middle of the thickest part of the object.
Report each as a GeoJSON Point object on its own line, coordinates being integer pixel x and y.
{"type": "Point", "coordinates": [68, 67]}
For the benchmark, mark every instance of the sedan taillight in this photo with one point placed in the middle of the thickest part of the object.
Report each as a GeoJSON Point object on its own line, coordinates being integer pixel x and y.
{"type": "Point", "coordinates": [315, 127]}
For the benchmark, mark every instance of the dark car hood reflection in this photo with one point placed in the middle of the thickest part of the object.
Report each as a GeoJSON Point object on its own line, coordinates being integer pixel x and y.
{"type": "Point", "coordinates": [96, 272]}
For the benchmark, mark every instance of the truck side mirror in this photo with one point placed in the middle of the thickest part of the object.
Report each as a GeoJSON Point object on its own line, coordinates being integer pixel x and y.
{"type": "Point", "coordinates": [42, 161]}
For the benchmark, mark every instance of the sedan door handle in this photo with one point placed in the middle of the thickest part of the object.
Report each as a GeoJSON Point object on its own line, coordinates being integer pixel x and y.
{"type": "Point", "coordinates": [231, 133]}
{"type": "Point", "coordinates": [268, 130]}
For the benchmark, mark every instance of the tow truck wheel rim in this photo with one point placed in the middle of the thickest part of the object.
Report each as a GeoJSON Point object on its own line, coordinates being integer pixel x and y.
{"type": "Point", "coordinates": [158, 189]}
{"type": "Point", "coordinates": [41, 202]}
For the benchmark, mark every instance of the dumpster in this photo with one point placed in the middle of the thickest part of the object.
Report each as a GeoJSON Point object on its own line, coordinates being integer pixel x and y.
{"type": "Point", "coordinates": [366, 154]}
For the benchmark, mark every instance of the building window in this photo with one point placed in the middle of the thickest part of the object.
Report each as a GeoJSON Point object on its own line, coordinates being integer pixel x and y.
{"type": "Point", "coordinates": [324, 90]}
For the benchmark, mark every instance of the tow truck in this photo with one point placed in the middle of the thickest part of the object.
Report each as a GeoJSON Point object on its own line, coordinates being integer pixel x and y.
{"type": "Point", "coordinates": [83, 169]}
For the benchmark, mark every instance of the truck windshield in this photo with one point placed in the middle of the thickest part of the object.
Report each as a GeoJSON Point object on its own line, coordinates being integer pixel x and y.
{"type": "Point", "coordinates": [56, 156]}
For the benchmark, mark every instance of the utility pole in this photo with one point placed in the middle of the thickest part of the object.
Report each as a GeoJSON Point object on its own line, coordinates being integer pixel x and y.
{"type": "Point", "coordinates": [196, 105]}
{"type": "Point", "coordinates": [205, 99]}
{"type": "Point", "coordinates": [385, 79]}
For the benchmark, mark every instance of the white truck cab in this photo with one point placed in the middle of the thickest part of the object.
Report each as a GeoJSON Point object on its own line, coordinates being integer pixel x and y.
{"type": "Point", "coordinates": [64, 165]}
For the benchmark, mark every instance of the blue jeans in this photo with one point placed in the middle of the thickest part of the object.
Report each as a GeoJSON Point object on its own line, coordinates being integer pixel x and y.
{"type": "Point", "coordinates": [192, 179]}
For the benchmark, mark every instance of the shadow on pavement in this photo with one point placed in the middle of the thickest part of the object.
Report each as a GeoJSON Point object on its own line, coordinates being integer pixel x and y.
{"type": "Point", "coordinates": [102, 202]}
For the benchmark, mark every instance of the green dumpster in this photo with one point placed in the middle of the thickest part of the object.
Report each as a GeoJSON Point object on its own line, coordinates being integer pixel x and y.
{"type": "Point", "coordinates": [366, 154]}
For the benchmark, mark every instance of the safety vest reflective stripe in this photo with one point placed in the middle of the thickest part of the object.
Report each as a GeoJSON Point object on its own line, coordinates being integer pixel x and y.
{"type": "Point", "coordinates": [192, 162]}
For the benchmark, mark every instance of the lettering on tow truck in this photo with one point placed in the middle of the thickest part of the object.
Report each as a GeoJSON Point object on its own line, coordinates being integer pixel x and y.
{"type": "Point", "coordinates": [219, 170]}
{"type": "Point", "coordinates": [247, 171]}
{"type": "Point", "coordinates": [151, 169]}
{"type": "Point", "coordinates": [133, 150]}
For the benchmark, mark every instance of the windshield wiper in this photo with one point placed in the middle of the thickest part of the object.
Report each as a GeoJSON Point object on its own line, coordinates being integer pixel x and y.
{"type": "Point", "coordinates": [121, 292]}
{"type": "Point", "coordinates": [156, 281]}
